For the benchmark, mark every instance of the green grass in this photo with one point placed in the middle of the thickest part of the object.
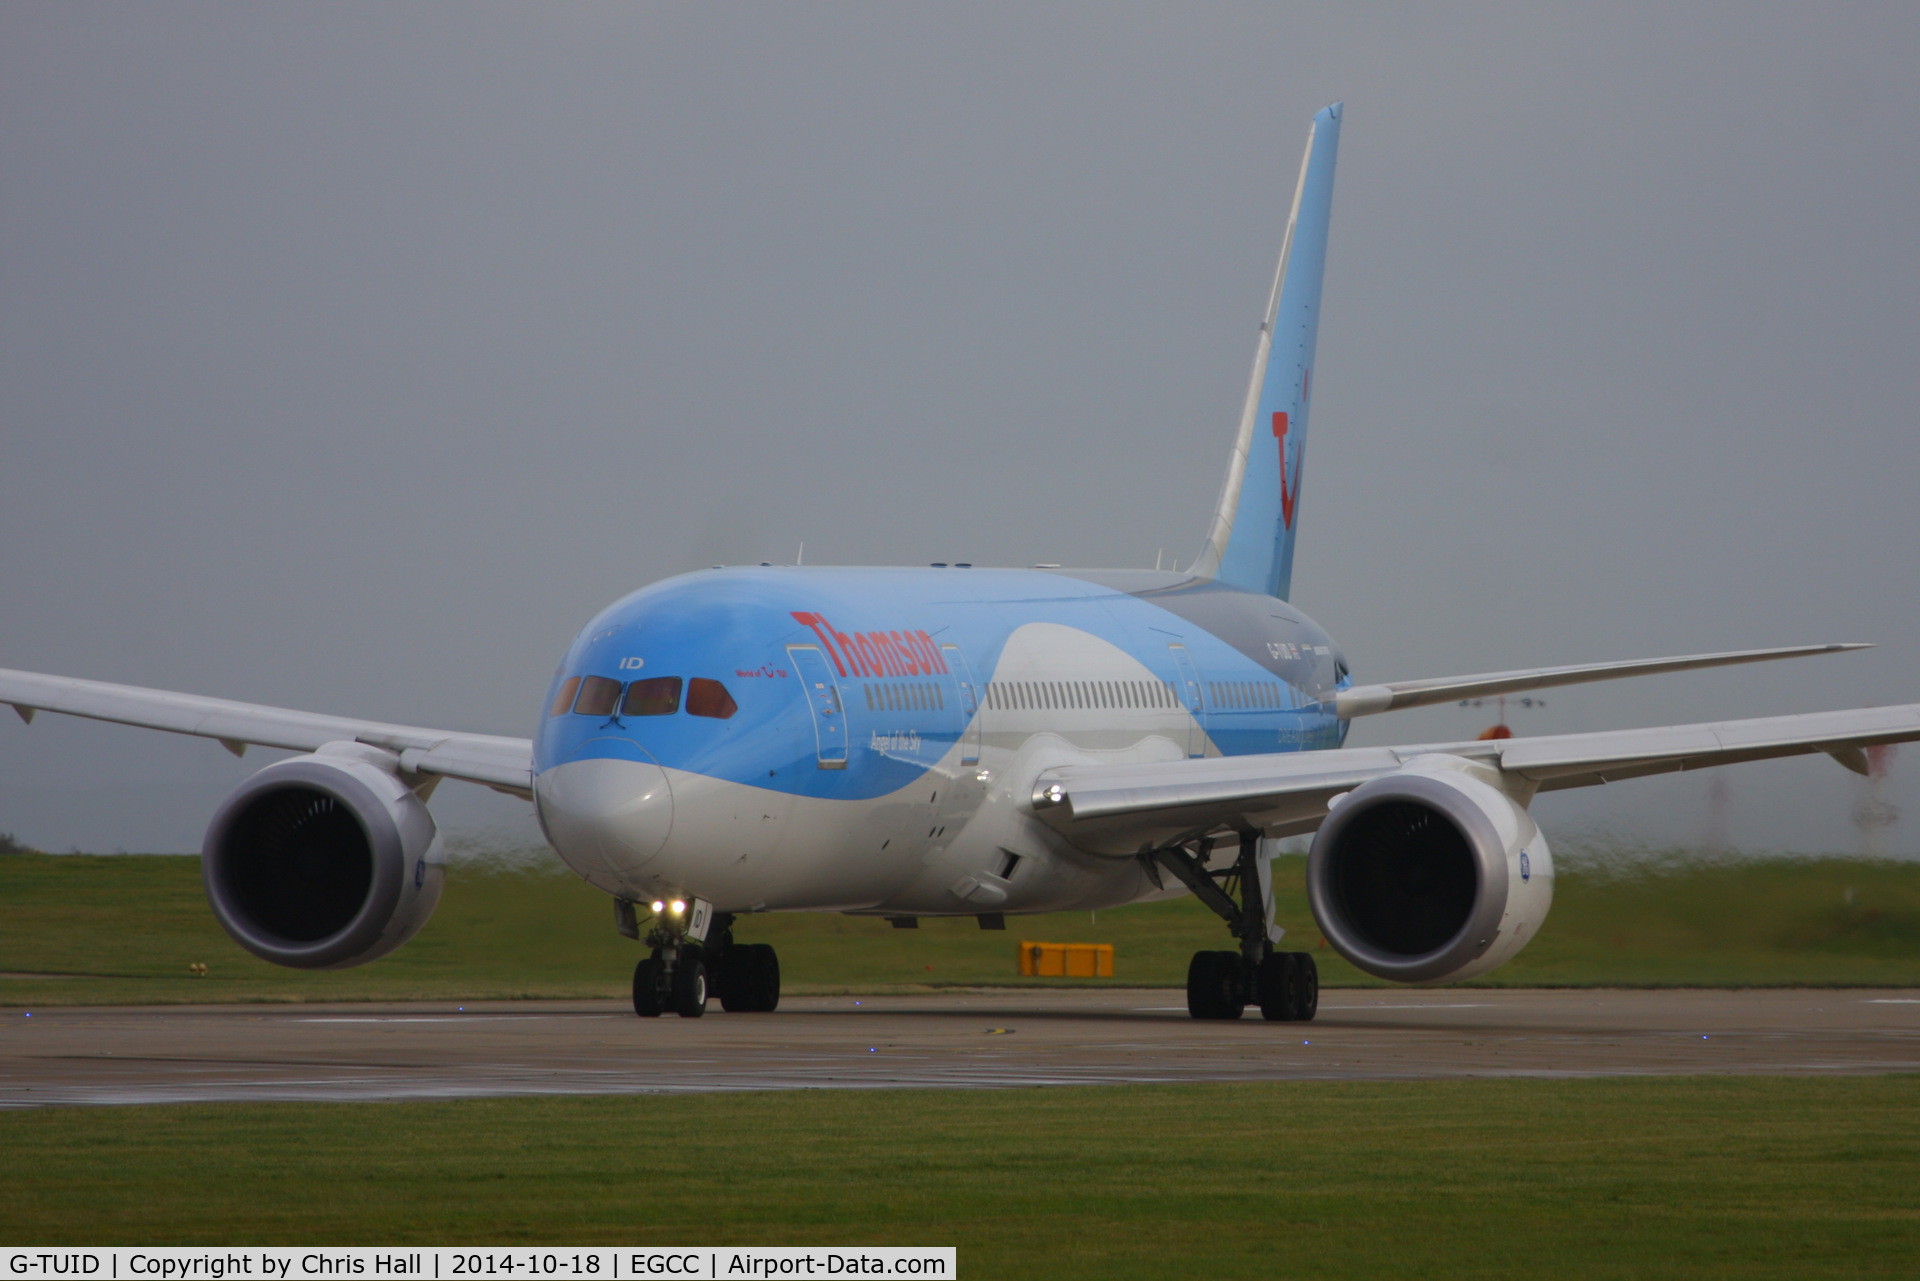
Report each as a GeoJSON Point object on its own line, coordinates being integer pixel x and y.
{"type": "Point", "coordinates": [128, 927]}
{"type": "Point", "coordinates": [1748, 1177]}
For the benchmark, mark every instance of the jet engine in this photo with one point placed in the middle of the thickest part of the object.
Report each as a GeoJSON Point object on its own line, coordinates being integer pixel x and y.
{"type": "Point", "coordinates": [1430, 873]}
{"type": "Point", "coordinates": [323, 861]}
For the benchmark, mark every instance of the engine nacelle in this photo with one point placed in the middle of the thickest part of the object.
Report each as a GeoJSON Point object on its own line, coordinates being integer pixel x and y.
{"type": "Point", "coordinates": [1429, 874]}
{"type": "Point", "coordinates": [323, 861]}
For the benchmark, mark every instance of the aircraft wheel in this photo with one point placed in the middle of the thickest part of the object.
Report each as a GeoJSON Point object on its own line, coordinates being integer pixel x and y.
{"type": "Point", "coordinates": [1276, 986]}
{"type": "Point", "coordinates": [690, 985]}
{"type": "Point", "coordinates": [1306, 986]}
{"type": "Point", "coordinates": [649, 989]}
{"type": "Point", "coordinates": [765, 969]}
{"type": "Point", "coordinates": [1214, 986]}
{"type": "Point", "coordinates": [746, 978]}
{"type": "Point", "coordinates": [733, 979]}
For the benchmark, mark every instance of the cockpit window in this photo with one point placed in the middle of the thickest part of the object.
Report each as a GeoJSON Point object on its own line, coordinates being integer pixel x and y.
{"type": "Point", "coordinates": [656, 696]}
{"type": "Point", "coordinates": [563, 701]}
{"type": "Point", "coordinates": [598, 696]}
{"type": "Point", "coordinates": [709, 698]}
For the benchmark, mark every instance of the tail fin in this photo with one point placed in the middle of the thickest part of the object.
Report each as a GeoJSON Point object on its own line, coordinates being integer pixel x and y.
{"type": "Point", "coordinates": [1250, 545]}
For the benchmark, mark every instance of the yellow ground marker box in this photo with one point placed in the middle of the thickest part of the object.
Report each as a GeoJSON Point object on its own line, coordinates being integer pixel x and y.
{"type": "Point", "coordinates": [1066, 960]}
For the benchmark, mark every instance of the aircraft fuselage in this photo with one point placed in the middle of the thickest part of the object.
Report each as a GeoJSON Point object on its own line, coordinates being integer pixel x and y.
{"type": "Point", "coordinates": [783, 738]}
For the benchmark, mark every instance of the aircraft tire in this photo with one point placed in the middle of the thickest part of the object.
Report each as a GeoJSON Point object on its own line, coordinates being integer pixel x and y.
{"type": "Point", "coordinates": [1276, 986]}
{"type": "Point", "coordinates": [765, 971]}
{"type": "Point", "coordinates": [648, 1000]}
{"type": "Point", "coordinates": [1214, 986]}
{"type": "Point", "coordinates": [732, 979]}
{"type": "Point", "coordinates": [1306, 986]}
{"type": "Point", "coordinates": [690, 985]}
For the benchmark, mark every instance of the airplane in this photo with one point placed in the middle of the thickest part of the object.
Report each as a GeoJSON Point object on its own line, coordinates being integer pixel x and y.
{"type": "Point", "coordinates": [958, 741]}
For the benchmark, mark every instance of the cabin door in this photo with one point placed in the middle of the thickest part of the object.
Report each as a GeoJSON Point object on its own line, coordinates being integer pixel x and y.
{"type": "Point", "coordinates": [823, 700]}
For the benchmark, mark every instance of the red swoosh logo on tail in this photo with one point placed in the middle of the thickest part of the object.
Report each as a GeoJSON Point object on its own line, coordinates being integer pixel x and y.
{"type": "Point", "coordinates": [1287, 497]}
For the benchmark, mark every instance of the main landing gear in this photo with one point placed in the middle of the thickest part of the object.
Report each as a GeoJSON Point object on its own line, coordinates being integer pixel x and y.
{"type": "Point", "coordinates": [1220, 985]}
{"type": "Point", "coordinates": [683, 971]}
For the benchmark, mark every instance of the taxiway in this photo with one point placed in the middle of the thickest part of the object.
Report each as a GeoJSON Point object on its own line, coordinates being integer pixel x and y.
{"type": "Point", "coordinates": [967, 1040]}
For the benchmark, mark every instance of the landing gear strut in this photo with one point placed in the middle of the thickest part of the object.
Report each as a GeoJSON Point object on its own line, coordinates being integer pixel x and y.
{"type": "Point", "coordinates": [681, 971]}
{"type": "Point", "coordinates": [1220, 985]}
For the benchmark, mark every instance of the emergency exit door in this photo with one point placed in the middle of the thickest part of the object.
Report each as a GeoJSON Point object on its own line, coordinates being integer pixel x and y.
{"type": "Point", "coordinates": [962, 677]}
{"type": "Point", "coordinates": [1191, 699]}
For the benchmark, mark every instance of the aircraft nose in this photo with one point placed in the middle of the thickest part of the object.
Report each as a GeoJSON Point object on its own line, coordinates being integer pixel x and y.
{"type": "Point", "coordinates": [609, 812]}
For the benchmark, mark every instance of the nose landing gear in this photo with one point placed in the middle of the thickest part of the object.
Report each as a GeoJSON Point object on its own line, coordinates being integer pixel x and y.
{"type": "Point", "coordinates": [673, 978]}
{"type": "Point", "coordinates": [1220, 985]}
{"type": "Point", "coordinates": [692, 958]}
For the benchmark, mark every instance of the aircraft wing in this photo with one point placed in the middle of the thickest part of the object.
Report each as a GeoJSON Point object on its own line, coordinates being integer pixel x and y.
{"type": "Point", "coordinates": [1124, 808]}
{"type": "Point", "coordinates": [1365, 700]}
{"type": "Point", "coordinates": [504, 764]}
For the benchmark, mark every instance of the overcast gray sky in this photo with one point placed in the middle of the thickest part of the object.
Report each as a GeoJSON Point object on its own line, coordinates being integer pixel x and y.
{"type": "Point", "coordinates": [351, 356]}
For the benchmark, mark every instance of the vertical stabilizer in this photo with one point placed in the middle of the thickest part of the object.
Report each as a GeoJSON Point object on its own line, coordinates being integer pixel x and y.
{"type": "Point", "coordinates": [1250, 544]}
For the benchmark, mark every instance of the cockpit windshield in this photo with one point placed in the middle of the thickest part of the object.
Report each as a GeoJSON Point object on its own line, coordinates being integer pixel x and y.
{"type": "Point", "coordinates": [655, 696]}
{"type": "Point", "coordinates": [598, 696]}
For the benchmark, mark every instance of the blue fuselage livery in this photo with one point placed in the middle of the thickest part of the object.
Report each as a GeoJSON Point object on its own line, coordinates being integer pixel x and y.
{"type": "Point", "coordinates": [737, 734]}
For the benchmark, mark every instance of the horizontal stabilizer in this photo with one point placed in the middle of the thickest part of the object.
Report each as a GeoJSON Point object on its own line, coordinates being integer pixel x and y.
{"type": "Point", "coordinates": [1365, 700]}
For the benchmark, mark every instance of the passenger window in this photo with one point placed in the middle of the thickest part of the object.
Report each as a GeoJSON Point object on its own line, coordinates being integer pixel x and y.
{"type": "Point", "coordinates": [598, 697]}
{"type": "Point", "coordinates": [656, 696]}
{"type": "Point", "coordinates": [563, 701]}
{"type": "Point", "coordinates": [709, 698]}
